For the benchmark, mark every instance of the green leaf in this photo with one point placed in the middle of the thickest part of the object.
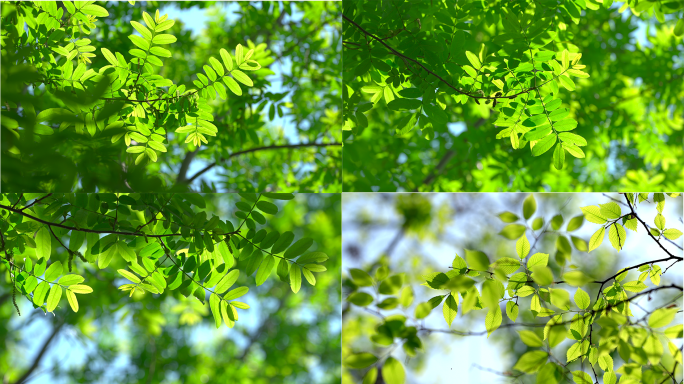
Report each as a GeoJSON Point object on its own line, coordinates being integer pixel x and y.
{"type": "Point", "coordinates": [617, 236]}
{"type": "Point", "coordinates": [450, 310]}
{"type": "Point", "coordinates": [404, 104]}
{"type": "Point", "coordinates": [474, 60]}
{"type": "Point", "coordinates": [558, 157]}
{"type": "Point", "coordinates": [610, 211]}
{"type": "Point", "coordinates": [227, 59]}
{"type": "Point", "coordinates": [391, 285]}
{"type": "Point", "coordinates": [267, 207]}
{"type": "Point", "coordinates": [71, 298]}
{"type": "Point", "coordinates": [298, 248]}
{"type": "Point", "coordinates": [477, 260]}
{"type": "Point", "coordinates": [227, 281]}
{"type": "Point", "coordinates": [679, 28]}
{"type": "Point", "coordinates": [406, 298]}
{"type": "Point", "coordinates": [576, 278]}
{"type": "Point", "coordinates": [361, 277]}
{"type": "Point", "coordinates": [94, 10]}
{"type": "Point", "coordinates": [360, 360]}
{"type": "Point", "coordinates": [40, 292]}
{"type": "Point", "coordinates": [506, 265]}
{"type": "Point", "coordinates": [512, 310]}
{"type": "Point", "coordinates": [67, 280]}
{"type": "Point", "coordinates": [295, 278]}
{"type": "Point", "coordinates": [543, 145]}
{"type": "Point", "coordinates": [567, 82]}
{"type": "Point", "coordinates": [141, 28]}
{"type": "Point", "coordinates": [241, 77]}
{"type": "Point", "coordinates": [140, 42]}
{"type": "Point", "coordinates": [235, 293]}
{"type": "Point", "coordinates": [493, 320]}
{"type": "Point", "coordinates": [538, 259]}
{"type": "Point", "coordinates": [508, 217]}
{"type": "Point", "coordinates": [522, 246]}
{"type": "Point", "coordinates": [283, 242]}
{"type": "Point", "coordinates": [530, 339]}
{"type": "Point", "coordinates": [79, 288]}
{"type": "Point", "coordinates": [672, 233]}
{"type": "Point", "coordinates": [371, 376]}
{"type": "Point", "coordinates": [361, 299]}
{"type": "Point", "coordinates": [43, 243]}
{"type": "Point", "coordinates": [529, 206]}
{"type": "Point", "coordinates": [634, 286]}
{"type": "Point", "coordinates": [53, 297]}
{"type": "Point", "coordinates": [582, 299]}
{"type": "Point", "coordinates": [593, 214]}
{"type": "Point", "coordinates": [574, 150]}
{"type": "Point", "coordinates": [575, 223]}
{"type": "Point", "coordinates": [130, 276]}
{"type": "Point", "coordinates": [53, 271]}
{"type": "Point", "coordinates": [661, 317]}
{"type": "Point", "coordinates": [215, 306]}
{"type": "Point", "coordinates": [393, 371]}
{"type": "Point", "coordinates": [265, 269]}
{"type": "Point", "coordinates": [597, 239]}
{"type": "Point", "coordinates": [164, 39]}
{"type": "Point", "coordinates": [513, 231]}
{"type": "Point", "coordinates": [580, 377]}
{"type": "Point", "coordinates": [109, 56]}
{"type": "Point", "coordinates": [530, 362]}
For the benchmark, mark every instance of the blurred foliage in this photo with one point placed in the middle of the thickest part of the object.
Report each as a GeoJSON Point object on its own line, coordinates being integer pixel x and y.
{"type": "Point", "coordinates": [433, 88]}
{"type": "Point", "coordinates": [561, 316]}
{"type": "Point", "coordinates": [171, 338]}
{"type": "Point", "coordinates": [249, 152]}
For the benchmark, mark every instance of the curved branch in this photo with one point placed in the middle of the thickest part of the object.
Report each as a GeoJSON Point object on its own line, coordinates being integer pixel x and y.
{"type": "Point", "coordinates": [139, 234]}
{"type": "Point", "coordinates": [541, 325]}
{"type": "Point", "coordinates": [397, 53]}
{"type": "Point", "coordinates": [289, 146]}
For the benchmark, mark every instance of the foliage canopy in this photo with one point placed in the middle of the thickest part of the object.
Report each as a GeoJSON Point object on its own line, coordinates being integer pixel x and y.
{"type": "Point", "coordinates": [447, 95]}
{"type": "Point", "coordinates": [167, 241]}
{"type": "Point", "coordinates": [92, 103]}
{"type": "Point", "coordinates": [569, 335]}
{"type": "Point", "coordinates": [167, 337]}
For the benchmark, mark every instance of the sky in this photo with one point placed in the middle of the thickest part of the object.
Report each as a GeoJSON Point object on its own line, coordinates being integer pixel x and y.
{"type": "Point", "coordinates": [449, 355]}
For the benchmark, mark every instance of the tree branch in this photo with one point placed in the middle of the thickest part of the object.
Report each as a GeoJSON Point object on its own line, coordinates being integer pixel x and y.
{"type": "Point", "coordinates": [443, 162]}
{"type": "Point", "coordinates": [139, 234]}
{"type": "Point", "coordinates": [288, 146]}
{"type": "Point", "coordinates": [189, 157]}
{"type": "Point", "coordinates": [397, 53]}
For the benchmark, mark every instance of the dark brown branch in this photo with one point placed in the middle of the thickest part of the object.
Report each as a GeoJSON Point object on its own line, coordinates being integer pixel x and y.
{"type": "Point", "coordinates": [289, 146]}
{"type": "Point", "coordinates": [631, 207]}
{"type": "Point", "coordinates": [37, 201]}
{"type": "Point", "coordinates": [541, 325]}
{"type": "Point", "coordinates": [139, 234]}
{"type": "Point", "coordinates": [397, 53]}
{"type": "Point", "coordinates": [185, 165]}
{"type": "Point", "coordinates": [443, 162]}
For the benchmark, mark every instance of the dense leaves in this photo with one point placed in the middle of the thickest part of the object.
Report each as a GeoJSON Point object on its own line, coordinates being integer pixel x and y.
{"type": "Point", "coordinates": [567, 332]}
{"type": "Point", "coordinates": [167, 242]}
{"type": "Point", "coordinates": [447, 95]}
{"type": "Point", "coordinates": [120, 107]}
{"type": "Point", "coordinates": [167, 337]}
